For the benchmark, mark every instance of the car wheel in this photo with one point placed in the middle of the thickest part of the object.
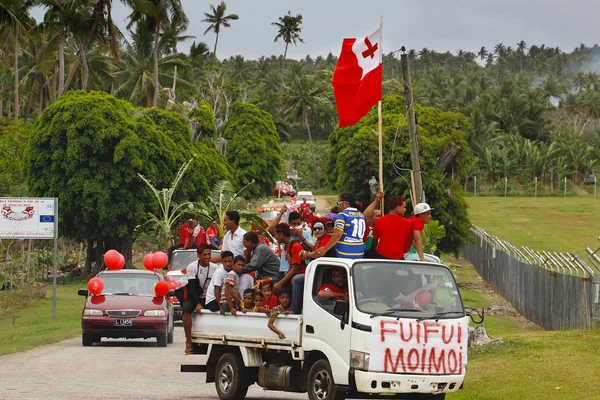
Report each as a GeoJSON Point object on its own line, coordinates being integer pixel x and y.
{"type": "Point", "coordinates": [161, 340]}
{"type": "Point", "coordinates": [87, 339]}
{"type": "Point", "coordinates": [320, 383]}
{"type": "Point", "coordinates": [231, 377]}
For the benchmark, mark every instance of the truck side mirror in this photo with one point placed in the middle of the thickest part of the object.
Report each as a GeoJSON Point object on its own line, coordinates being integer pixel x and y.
{"type": "Point", "coordinates": [82, 292]}
{"type": "Point", "coordinates": [340, 308]}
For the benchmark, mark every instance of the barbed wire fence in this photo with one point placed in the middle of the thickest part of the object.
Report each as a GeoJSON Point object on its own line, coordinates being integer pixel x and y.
{"type": "Point", "coordinates": [556, 290]}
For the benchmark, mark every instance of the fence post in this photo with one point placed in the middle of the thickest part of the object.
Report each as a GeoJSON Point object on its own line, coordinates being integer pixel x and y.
{"type": "Point", "coordinates": [475, 186]}
{"type": "Point", "coordinates": [505, 185]}
{"type": "Point", "coordinates": [594, 186]}
{"type": "Point", "coordinates": [565, 186]}
{"type": "Point", "coordinates": [535, 185]}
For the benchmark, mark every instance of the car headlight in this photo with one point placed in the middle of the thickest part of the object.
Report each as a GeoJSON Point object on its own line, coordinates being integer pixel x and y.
{"type": "Point", "coordinates": [154, 313]}
{"type": "Point", "coordinates": [359, 360]}
{"type": "Point", "coordinates": [89, 311]}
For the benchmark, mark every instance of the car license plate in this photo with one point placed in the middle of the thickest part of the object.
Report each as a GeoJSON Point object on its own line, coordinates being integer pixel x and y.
{"type": "Point", "coordinates": [122, 322]}
{"type": "Point", "coordinates": [178, 312]}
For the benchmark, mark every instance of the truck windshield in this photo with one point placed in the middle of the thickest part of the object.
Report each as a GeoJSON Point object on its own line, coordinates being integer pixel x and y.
{"type": "Point", "coordinates": [415, 290]}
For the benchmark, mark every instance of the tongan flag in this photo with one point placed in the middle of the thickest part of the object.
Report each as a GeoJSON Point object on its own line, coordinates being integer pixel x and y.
{"type": "Point", "coordinates": [357, 78]}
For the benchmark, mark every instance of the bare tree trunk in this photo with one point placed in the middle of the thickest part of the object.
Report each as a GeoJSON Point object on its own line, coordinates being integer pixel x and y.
{"type": "Point", "coordinates": [28, 257]}
{"type": "Point", "coordinates": [83, 49]}
{"type": "Point", "coordinates": [17, 74]}
{"type": "Point", "coordinates": [215, 48]}
{"type": "Point", "coordinates": [61, 64]}
{"type": "Point", "coordinates": [86, 71]}
{"type": "Point", "coordinates": [155, 55]}
{"type": "Point", "coordinates": [1, 107]}
{"type": "Point", "coordinates": [312, 150]}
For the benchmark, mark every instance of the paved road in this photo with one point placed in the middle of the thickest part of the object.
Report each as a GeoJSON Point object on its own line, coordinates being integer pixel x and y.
{"type": "Point", "coordinates": [113, 369]}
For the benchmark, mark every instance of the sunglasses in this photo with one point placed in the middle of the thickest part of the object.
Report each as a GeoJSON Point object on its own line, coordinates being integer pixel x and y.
{"type": "Point", "coordinates": [318, 229]}
{"type": "Point", "coordinates": [340, 202]}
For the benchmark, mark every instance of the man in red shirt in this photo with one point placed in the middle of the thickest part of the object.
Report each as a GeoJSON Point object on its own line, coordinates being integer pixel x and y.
{"type": "Point", "coordinates": [390, 232]}
{"type": "Point", "coordinates": [338, 289]}
{"type": "Point", "coordinates": [212, 234]}
{"type": "Point", "coordinates": [304, 210]}
{"type": "Point", "coordinates": [422, 216]}
{"type": "Point", "coordinates": [185, 237]}
{"type": "Point", "coordinates": [295, 274]}
{"type": "Point", "coordinates": [198, 235]}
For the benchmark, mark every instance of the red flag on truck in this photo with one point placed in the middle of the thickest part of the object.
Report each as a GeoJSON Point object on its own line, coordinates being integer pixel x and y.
{"type": "Point", "coordinates": [357, 78]}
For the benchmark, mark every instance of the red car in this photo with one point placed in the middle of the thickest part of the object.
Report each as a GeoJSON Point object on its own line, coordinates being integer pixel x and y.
{"type": "Point", "coordinates": [127, 308]}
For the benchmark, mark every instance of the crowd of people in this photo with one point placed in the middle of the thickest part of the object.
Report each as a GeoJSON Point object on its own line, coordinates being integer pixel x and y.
{"type": "Point", "coordinates": [249, 276]}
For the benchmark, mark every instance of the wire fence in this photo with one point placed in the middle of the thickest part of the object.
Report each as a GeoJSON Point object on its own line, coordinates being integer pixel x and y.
{"type": "Point", "coordinates": [554, 290]}
{"type": "Point", "coordinates": [481, 185]}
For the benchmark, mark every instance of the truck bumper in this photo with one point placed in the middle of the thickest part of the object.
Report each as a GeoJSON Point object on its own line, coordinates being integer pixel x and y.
{"type": "Point", "coordinates": [377, 383]}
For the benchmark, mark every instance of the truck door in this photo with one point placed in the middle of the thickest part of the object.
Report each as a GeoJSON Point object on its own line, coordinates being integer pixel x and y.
{"type": "Point", "coordinates": [323, 330]}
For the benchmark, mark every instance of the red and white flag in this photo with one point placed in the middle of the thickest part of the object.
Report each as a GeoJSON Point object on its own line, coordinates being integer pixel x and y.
{"type": "Point", "coordinates": [357, 78]}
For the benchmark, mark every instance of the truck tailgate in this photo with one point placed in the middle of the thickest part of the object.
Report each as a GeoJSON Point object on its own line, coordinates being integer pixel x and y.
{"type": "Point", "coordinates": [249, 328]}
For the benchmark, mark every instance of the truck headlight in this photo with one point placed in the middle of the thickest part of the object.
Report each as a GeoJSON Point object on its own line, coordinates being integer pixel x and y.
{"type": "Point", "coordinates": [154, 313]}
{"type": "Point", "coordinates": [359, 360]}
{"type": "Point", "coordinates": [89, 311]}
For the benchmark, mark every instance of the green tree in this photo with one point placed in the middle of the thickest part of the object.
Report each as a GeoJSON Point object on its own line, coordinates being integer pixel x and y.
{"type": "Point", "coordinates": [218, 19]}
{"type": "Point", "coordinates": [203, 121]}
{"type": "Point", "coordinates": [253, 149]}
{"type": "Point", "coordinates": [289, 30]}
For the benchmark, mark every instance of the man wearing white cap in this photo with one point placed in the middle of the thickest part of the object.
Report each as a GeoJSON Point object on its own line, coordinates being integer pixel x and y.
{"type": "Point", "coordinates": [422, 216]}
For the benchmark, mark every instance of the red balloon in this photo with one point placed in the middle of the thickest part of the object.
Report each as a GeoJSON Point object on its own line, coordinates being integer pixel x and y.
{"type": "Point", "coordinates": [161, 288]}
{"type": "Point", "coordinates": [95, 286]}
{"type": "Point", "coordinates": [148, 262]}
{"type": "Point", "coordinates": [112, 259]}
{"type": "Point", "coordinates": [423, 298]}
{"type": "Point", "coordinates": [121, 261]}
{"type": "Point", "coordinates": [159, 260]}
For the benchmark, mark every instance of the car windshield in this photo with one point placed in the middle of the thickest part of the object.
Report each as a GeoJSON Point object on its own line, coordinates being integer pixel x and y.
{"type": "Point", "coordinates": [269, 215]}
{"type": "Point", "coordinates": [406, 290]}
{"type": "Point", "coordinates": [129, 284]}
{"type": "Point", "coordinates": [181, 259]}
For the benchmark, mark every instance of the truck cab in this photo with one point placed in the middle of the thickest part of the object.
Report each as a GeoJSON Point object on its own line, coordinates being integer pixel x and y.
{"type": "Point", "coordinates": [402, 331]}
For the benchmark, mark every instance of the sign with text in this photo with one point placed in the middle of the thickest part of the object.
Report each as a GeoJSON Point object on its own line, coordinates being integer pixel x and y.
{"type": "Point", "coordinates": [418, 347]}
{"type": "Point", "coordinates": [28, 218]}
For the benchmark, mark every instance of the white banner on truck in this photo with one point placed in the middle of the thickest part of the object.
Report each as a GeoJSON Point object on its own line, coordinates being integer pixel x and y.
{"type": "Point", "coordinates": [27, 218]}
{"type": "Point", "coordinates": [418, 347]}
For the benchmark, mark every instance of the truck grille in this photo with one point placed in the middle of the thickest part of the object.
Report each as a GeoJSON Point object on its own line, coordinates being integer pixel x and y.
{"type": "Point", "coordinates": [123, 313]}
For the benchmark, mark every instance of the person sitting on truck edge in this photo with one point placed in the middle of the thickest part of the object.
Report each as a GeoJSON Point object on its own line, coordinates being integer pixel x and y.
{"type": "Point", "coordinates": [390, 231]}
{"type": "Point", "coordinates": [205, 270]}
{"type": "Point", "coordinates": [212, 235]}
{"type": "Point", "coordinates": [248, 301]}
{"type": "Point", "coordinates": [349, 231]}
{"type": "Point", "coordinates": [198, 235]}
{"type": "Point", "coordinates": [233, 239]}
{"type": "Point", "coordinates": [189, 295]}
{"type": "Point", "coordinates": [421, 217]}
{"type": "Point", "coordinates": [284, 307]}
{"type": "Point", "coordinates": [258, 299]}
{"type": "Point", "coordinates": [295, 274]}
{"type": "Point", "coordinates": [213, 294]}
{"type": "Point", "coordinates": [231, 295]}
{"type": "Point", "coordinates": [338, 289]}
{"type": "Point", "coordinates": [371, 214]}
{"type": "Point", "coordinates": [262, 259]}
{"type": "Point", "coordinates": [295, 222]}
{"type": "Point", "coordinates": [269, 299]}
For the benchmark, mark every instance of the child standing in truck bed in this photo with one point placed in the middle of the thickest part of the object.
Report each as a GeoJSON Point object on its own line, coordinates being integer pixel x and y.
{"type": "Point", "coordinates": [284, 307]}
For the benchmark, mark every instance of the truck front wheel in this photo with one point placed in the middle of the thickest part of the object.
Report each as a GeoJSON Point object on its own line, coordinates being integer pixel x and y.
{"type": "Point", "coordinates": [231, 377]}
{"type": "Point", "coordinates": [320, 383]}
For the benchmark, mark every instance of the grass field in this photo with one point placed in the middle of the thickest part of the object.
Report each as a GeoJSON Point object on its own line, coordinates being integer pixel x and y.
{"type": "Point", "coordinates": [541, 223]}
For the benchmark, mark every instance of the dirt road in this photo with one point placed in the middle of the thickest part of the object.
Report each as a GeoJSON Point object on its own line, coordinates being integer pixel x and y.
{"type": "Point", "coordinates": [113, 369]}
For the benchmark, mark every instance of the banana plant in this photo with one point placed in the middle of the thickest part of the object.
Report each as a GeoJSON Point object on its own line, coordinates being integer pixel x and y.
{"type": "Point", "coordinates": [432, 233]}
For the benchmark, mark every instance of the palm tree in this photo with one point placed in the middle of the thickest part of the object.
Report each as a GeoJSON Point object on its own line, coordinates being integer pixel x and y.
{"type": "Point", "coordinates": [14, 14]}
{"type": "Point", "coordinates": [218, 19]}
{"type": "Point", "coordinates": [160, 16]}
{"type": "Point", "coordinates": [482, 53]}
{"type": "Point", "coordinates": [289, 30]}
{"type": "Point", "coordinates": [305, 95]}
{"type": "Point", "coordinates": [521, 47]}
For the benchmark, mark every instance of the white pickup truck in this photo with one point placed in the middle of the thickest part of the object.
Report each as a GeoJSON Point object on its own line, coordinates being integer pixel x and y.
{"type": "Point", "coordinates": [401, 334]}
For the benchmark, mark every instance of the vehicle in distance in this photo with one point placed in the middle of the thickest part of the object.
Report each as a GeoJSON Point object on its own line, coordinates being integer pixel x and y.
{"type": "Point", "coordinates": [127, 308]}
{"type": "Point", "coordinates": [310, 199]}
{"type": "Point", "coordinates": [590, 178]}
{"type": "Point", "coordinates": [283, 189]}
{"type": "Point", "coordinates": [269, 211]}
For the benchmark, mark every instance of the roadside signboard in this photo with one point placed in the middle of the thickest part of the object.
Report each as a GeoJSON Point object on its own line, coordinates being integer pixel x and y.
{"type": "Point", "coordinates": [27, 218]}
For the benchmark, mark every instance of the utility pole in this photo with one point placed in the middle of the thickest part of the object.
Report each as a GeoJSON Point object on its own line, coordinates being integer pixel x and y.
{"type": "Point", "coordinates": [412, 129]}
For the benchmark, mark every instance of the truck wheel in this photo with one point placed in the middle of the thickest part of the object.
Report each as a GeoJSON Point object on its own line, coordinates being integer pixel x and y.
{"type": "Point", "coordinates": [87, 339]}
{"type": "Point", "coordinates": [320, 383]}
{"type": "Point", "coordinates": [161, 340]}
{"type": "Point", "coordinates": [231, 377]}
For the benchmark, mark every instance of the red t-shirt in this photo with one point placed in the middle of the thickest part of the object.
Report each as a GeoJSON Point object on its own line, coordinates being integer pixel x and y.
{"type": "Point", "coordinates": [391, 230]}
{"type": "Point", "coordinates": [201, 238]}
{"type": "Point", "coordinates": [304, 210]}
{"type": "Point", "coordinates": [272, 302]}
{"type": "Point", "coordinates": [322, 242]}
{"type": "Point", "coordinates": [185, 236]}
{"type": "Point", "coordinates": [417, 224]}
{"type": "Point", "coordinates": [296, 259]}
{"type": "Point", "coordinates": [330, 287]}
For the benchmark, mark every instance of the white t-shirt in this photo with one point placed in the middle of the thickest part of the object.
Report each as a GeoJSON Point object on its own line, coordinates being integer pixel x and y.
{"type": "Point", "coordinates": [234, 242]}
{"type": "Point", "coordinates": [204, 274]}
{"type": "Point", "coordinates": [217, 280]}
{"type": "Point", "coordinates": [246, 282]}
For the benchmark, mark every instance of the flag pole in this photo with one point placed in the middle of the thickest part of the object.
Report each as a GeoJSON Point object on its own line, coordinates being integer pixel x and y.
{"type": "Point", "coordinates": [380, 123]}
